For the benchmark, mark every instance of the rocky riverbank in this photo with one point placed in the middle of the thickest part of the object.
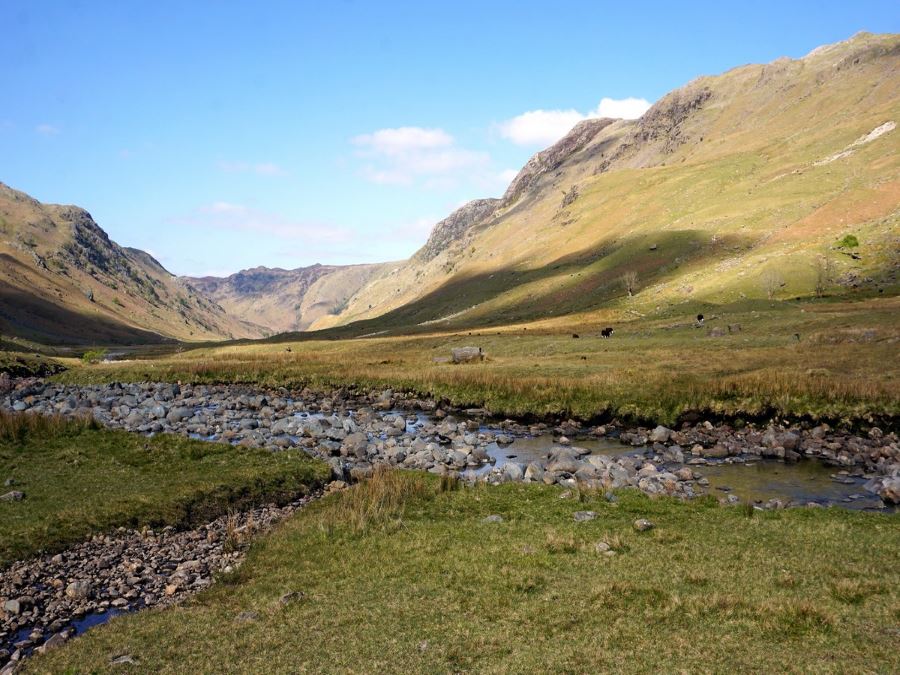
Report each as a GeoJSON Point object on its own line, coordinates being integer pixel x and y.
{"type": "Point", "coordinates": [354, 432]}
{"type": "Point", "coordinates": [45, 601]}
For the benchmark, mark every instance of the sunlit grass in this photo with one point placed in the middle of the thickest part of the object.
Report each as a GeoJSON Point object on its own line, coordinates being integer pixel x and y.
{"type": "Point", "coordinates": [427, 586]}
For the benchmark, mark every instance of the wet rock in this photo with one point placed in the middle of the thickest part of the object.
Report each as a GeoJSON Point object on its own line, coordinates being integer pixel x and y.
{"type": "Point", "coordinates": [534, 472]}
{"type": "Point", "coordinates": [78, 590]}
{"type": "Point", "coordinates": [513, 471]}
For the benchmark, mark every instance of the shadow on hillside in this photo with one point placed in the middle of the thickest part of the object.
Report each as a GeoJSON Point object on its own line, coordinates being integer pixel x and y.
{"type": "Point", "coordinates": [36, 318]}
{"type": "Point", "coordinates": [581, 281]}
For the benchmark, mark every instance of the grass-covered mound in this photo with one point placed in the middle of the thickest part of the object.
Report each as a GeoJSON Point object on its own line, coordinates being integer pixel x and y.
{"type": "Point", "coordinates": [404, 575]}
{"type": "Point", "coordinates": [79, 479]}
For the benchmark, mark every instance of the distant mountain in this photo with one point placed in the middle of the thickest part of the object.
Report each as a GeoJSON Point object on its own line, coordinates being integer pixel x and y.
{"type": "Point", "coordinates": [740, 185]}
{"type": "Point", "coordinates": [288, 300]}
{"type": "Point", "coordinates": [63, 281]}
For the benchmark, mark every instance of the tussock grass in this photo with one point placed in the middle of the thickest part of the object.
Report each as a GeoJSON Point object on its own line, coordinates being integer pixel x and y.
{"type": "Point", "coordinates": [375, 501]}
{"type": "Point", "coordinates": [17, 427]}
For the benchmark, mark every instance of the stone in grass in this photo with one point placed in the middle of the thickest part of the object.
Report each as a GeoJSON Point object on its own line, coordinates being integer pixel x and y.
{"type": "Point", "coordinates": [582, 516]}
{"type": "Point", "coordinates": [292, 596]}
{"type": "Point", "coordinates": [121, 659]}
{"type": "Point", "coordinates": [493, 518]}
{"type": "Point", "coordinates": [12, 496]}
{"type": "Point", "coordinates": [642, 525]}
{"type": "Point", "coordinates": [603, 548]}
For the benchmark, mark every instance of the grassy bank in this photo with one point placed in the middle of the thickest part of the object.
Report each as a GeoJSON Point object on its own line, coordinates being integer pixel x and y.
{"type": "Point", "coordinates": [399, 576]}
{"type": "Point", "coordinates": [823, 359]}
{"type": "Point", "coordinates": [79, 479]}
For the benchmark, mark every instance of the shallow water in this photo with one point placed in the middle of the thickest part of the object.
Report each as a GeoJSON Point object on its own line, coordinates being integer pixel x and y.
{"type": "Point", "coordinates": [537, 448]}
{"type": "Point", "coordinates": [802, 482]}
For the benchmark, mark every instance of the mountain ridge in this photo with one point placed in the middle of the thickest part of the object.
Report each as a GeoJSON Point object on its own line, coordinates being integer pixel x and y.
{"type": "Point", "coordinates": [65, 281]}
{"type": "Point", "coordinates": [593, 200]}
{"type": "Point", "coordinates": [284, 300]}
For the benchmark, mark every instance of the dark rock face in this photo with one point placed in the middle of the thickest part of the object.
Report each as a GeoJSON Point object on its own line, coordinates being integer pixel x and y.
{"type": "Point", "coordinates": [665, 119]}
{"type": "Point", "coordinates": [455, 226]}
{"type": "Point", "coordinates": [553, 157]}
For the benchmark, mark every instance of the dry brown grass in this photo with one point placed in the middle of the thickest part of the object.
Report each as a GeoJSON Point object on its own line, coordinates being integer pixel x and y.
{"type": "Point", "coordinates": [375, 501]}
{"type": "Point", "coordinates": [16, 426]}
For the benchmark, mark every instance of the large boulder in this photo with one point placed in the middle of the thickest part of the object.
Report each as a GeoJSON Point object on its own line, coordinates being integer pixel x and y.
{"type": "Point", "coordinates": [467, 354]}
{"type": "Point", "coordinates": [563, 460]}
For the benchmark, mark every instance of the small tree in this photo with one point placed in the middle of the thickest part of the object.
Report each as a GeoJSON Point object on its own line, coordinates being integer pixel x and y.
{"type": "Point", "coordinates": [823, 275]}
{"type": "Point", "coordinates": [771, 282]}
{"type": "Point", "coordinates": [629, 282]}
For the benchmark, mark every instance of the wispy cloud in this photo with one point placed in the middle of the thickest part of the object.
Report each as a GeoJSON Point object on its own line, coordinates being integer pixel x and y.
{"type": "Point", "coordinates": [230, 216]}
{"type": "Point", "coordinates": [544, 127]}
{"type": "Point", "coordinates": [404, 155]}
{"type": "Point", "coordinates": [47, 130]}
{"type": "Point", "coordinates": [259, 168]}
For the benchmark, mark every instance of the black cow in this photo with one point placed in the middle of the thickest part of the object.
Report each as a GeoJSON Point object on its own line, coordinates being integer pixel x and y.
{"type": "Point", "coordinates": [700, 319]}
{"type": "Point", "coordinates": [606, 332]}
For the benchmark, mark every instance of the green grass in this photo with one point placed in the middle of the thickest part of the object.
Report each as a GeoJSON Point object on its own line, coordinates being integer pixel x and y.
{"type": "Point", "coordinates": [80, 480]}
{"type": "Point", "coordinates": [654, 369]}
{"type": "Point", "coordinates": [19, 364]}
{"type": "Point", "coordinates": [402, 576]}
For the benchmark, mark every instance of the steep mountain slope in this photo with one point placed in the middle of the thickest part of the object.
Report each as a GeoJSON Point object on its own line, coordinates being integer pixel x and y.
{"type": "Point", "coordinates": [62, 280]}
{"type": "Point", "coordinates": [742, 185]}
{"type": "Point", "coordinates": [288, 300]}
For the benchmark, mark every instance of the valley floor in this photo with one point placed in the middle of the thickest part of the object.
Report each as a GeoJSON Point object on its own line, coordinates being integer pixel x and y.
{"type": "Point", "coordinates": [407, 574]}
{"type": "Point", "coordinates": [825, 359]}
{"type": "Point", "coordinates": [410, 572]}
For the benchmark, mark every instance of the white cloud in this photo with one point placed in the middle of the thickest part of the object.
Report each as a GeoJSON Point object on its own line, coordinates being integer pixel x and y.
{"type": "Point", "coordinates": [259, 168]}
{"type": "Point", "coordinates": [624, 108]}
{"type": "Point", "coordinates": [403, 139]}
{"type": "Point", "coordinates": [230, 216]}
{"type": "Point", "coordinates": [540, 127]}
{"type": "Point", "coordinates": [544, 127]}
{"type": "Point", "coordinates": [403, 155]}
{"type": "Point", "coordinates": [47, 130]}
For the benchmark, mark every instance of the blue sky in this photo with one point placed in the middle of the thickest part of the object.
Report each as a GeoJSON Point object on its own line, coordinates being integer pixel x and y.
{"type": "Point", "coordinates": [224, 135]}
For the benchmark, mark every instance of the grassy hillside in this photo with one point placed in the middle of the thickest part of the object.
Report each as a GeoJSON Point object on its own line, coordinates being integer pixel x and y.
{"type": "Point", "coordinates": [745, 185]}
{"type": "Point", "coordinates": [399, 576]}
{"type": "Point", "coordinates": [63, 281]}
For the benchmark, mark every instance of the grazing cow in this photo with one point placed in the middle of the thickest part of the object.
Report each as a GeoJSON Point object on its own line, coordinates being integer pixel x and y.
{"type": "Point", "coordinates": [606, 332]}
{"type": "Point", "coordinates": [575, 335]}
{"type": "Point", "coordinates": [700, 319]}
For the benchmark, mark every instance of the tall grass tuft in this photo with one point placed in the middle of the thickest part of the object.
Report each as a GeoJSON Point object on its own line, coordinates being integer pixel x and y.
{"type": "Point", "coordinates": [376, 501]}
{"type": "Point", "coordinates": [15, 427]}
